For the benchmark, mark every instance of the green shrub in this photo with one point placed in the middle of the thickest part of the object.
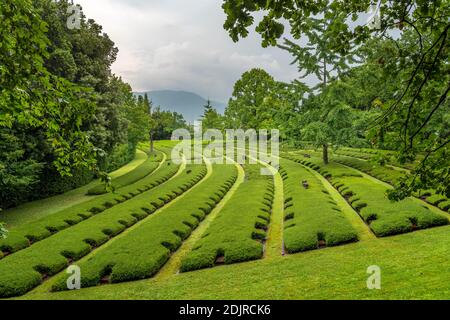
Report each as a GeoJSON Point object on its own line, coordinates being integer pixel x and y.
{"type": "Point", "coordinates": [234, 234]}
{"type": "Point", "coordinates": [384, 216]}
{"type": "Point", "coordinates": [51, 255]}
{"type": "Point", "coordinates": [312, 216]}
{"type": "Point", "coordinates": [24, 235]}
{"type": "Point", "coordinates": [138, 173]}
{"type": "Point", "coordinates": [145, 250]}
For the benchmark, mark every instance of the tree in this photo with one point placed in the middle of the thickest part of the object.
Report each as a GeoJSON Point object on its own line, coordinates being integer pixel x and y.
{"type": "Point", "coordinates": [246, 108]}
{"type": "Point", "coordinates": [421, 62]}
{"type": "Point", "coordinates": [3, 231]}
{"type": "Point", "coordinates": [326, 119]}
{"type": "Point", "coordinates": [211, 119]}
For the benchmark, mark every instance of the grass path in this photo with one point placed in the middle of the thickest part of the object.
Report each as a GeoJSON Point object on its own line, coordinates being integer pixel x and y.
{"type": "Point", "coordinates": [173, 265]}
{"type": "Point", "coordinates": [40, 208]}
{"type": "Point", "coordinates": [363, 230]}
{"type": "Point", "coordinates": [274, 246]}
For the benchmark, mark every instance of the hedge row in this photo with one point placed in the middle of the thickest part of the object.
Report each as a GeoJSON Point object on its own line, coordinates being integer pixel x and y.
{"type": "Point", "coordinates": [138, 173]}
{"type": "Point", "coordinates": [27, 268]}
{"type": "Point", "coordinates": [369, 199]}
{"type": "Point", "coordinates": [34, 231]}
{"type": "Point", "coordinates": [383, 173]}
{"type": "Point", "coordinates": [146, 249]}
{"type": "Point", "coordinates": [368, 154]}
{"type": "Point", "coordinates": [238, 232]}
{"type": "Point", "coordinates": [312, 217]}
{"type": "Point", "coordinates": [391, 176]}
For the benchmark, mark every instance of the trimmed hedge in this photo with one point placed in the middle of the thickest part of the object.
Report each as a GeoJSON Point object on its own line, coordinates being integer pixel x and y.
{"type": "Point", "coordinates": [391, 176]}
{"type": "Point", "coordinates": [25, 269]}
{"type": "Point", "coordinates": [312, 218]}
{"type": "Point", "coordinates": [369, 199]}
{"type": "Point", "coordinates": [240, 228]}
{"type": "Point", "coordinates": [32, 232]}
{"type": "Point", "coordinates": [146, 249]}
{"type": "Point", "coordinates": [138, 173]}
{"type": "Point", "coordinates": [368, 154]}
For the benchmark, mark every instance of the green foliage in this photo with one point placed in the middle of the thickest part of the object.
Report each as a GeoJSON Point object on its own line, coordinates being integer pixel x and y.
{"type": "Point", "coordinates": [236, 235]}
{"type": "Point", "coordinates": [141, 254]}
{"type": "Point", "coordinates": [17, 173]}
{"type": "Point", "coordinates": [311, 215]}
{"type": "Point", "coordinates": [3, 231]}
{"type": "Point", "coordinates": [23, 270]}
{"type": "Point", "coordinates": [369, 199]}
{"type": "Point", "coordinates": [165, 122]}
{"type": "Point", "coordinates": [141, 171]}
{"type": "Point", "coordinates": [29, 233]}
{"type": "Point", "coordinates": [410, 72]}
{"type": "Point", "coordinates": [211, 119]}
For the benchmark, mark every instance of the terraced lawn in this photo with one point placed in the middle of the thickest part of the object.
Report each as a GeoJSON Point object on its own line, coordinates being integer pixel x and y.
{"type": "Point", "coordinates": [308, 232]}
{"type": "Point", "coordinates": [368, 198]}
{"type": "Point", "coordinates": [37, 209]}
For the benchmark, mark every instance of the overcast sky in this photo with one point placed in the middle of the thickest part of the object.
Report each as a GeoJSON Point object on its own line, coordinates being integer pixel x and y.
{"type": "Point", "coordinates": [181, 45]}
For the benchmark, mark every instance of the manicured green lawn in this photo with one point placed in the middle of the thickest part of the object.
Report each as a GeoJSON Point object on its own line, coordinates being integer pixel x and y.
{"type": "Point", "coordinates": [413, 266]}
{"type": "Point", "coordinates": [37, 209]}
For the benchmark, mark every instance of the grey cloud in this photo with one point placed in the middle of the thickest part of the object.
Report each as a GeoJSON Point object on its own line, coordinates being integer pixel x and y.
{"type": "Point", "coordinates": [181, 45]}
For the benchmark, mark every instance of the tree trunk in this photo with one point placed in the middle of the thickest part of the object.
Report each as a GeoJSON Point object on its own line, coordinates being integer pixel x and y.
{"type": "Point", "coordinates": [325, 154]}
{"type": "Point", "coordinates": [151, 142]}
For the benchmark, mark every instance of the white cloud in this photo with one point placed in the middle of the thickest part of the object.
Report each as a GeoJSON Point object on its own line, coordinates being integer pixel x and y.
{"type": "Point", "coordinates": [181, 45]}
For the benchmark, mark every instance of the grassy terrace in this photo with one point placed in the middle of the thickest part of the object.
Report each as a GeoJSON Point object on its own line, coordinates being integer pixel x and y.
{"type": "Point", "coordinates": [23, 270]}
{"type": "Point", "coordinates": [390, 175]}
{"type": "Point", "coordinates": [368, 198]}
{"type": "Point", "coordinates": [142, 251]}
{"type": "Point", "coordinates": [220, 217]}
{"type": "Point", "coordinates": [37, 209]}
{"type": "Point", "coordinates": [237, 234]}
{"type": "Point", "coordinates": [32, 232]}
{"type": "Point", "coordinates": [413, 266]}
{"type": "Point", "coordinates": [312, 218]}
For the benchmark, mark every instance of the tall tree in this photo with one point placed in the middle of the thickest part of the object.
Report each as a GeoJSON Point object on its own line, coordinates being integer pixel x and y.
{"type": "Point", "coordinates": [421, 61]}
{"type": "Point", "coordinates": [211, 119]}
{"type": "Point", "coordinates": [246, 108]}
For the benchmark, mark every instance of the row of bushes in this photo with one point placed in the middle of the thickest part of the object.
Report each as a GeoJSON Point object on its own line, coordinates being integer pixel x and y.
{"type": "Point", "coordinates": [391, 176]}
{"type": "Point", "coordinates": [382, 156]}
{"type": "Point", "coordinates": [369, 199]}
{"type": "Point", "coordinates": [26, 269]}
{"type": "Point", "coordinates": [383, 173]}
{"type": "Point", "coordinates": [32, 232]}
{"type": "Point", "coordinates": [238, 232]}
{"type": "Point", "coordinates": [146, 249]}
{"type": "Point", "coordinates": [312, 217]}
{"type": "Point", "coordinates": [141, 171]}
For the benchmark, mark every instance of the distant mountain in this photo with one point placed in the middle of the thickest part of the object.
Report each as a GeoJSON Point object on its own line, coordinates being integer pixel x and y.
{"type": "Point", "coordinates": [189, 104]}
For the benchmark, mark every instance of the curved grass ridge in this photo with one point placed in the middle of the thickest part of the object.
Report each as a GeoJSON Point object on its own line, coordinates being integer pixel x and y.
{"type": "Point", "coordinates": [391, 176]}
{"type": "Point", "coordinates": [26, 269]}
{"type": "Point", "coordinates": [238, 232]}
{"type": "Point", "coordinates": [368, 198]}
{"type": "Point", "coordinates": [35, 231]}
{"type": "Point", "coordinates": [312, 217]}
{"type": "Point", "coordinates": [138, 173]}
{"type": "Point", "coordinates": [142, 252]}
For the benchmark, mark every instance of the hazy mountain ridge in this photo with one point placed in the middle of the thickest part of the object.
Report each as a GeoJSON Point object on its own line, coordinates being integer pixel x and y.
{"type": "Point", "coordinates": [189, 104]}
